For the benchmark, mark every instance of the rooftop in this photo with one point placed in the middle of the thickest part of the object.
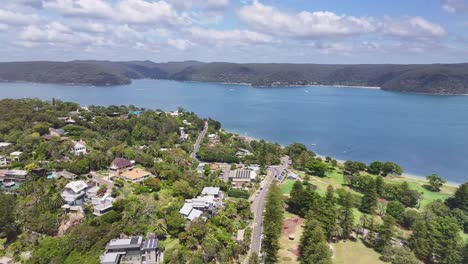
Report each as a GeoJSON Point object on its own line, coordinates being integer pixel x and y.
{"type": "Point", "coordinates": [135, 174]}
{"type": "Point", "coordinates": [121, 163]}
{"type": "Point", "coordinates": [76, 186]}
{"type": "Point", "coordinates": [210, 191]}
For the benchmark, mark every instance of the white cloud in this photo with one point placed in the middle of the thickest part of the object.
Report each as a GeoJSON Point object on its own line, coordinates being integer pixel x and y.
{"type": "Point", "coordinates": [90, 27]}
{"type": "Point", "coordinates": [14, 18]}
{"type": "Point", "coordinates": [230, 35]}
{"type": "Point", "coordinates": [415, 27]}
{"type": "Point", "coordinates": [127, 11]}
{"type": "Point", "coordinates": [86, 8]}
{"type": "Point", "coordinates": [180, 44]}
{"type": "Point", "coordinates": [455, 6]}
{"type": "Point", "coordinates": [3, 27]}
{"type": "Point", "coordinates": [304, 24]}
{"type": "Point", "coordinates": [56, 33]}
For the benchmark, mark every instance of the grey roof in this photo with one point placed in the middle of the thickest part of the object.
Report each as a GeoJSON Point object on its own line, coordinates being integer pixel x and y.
{"type": "Point", "coordinates": [111, 258]}
{"type": "Point", "coordinates": [242, 174]}
{"type": "Point", "coordinates": [185, 210]}
{"type": "Point", "coordinates": [125, 243]}
{"type": "Point", "coordinates": [150, 244]}
{"type": "Point", "coordinates": [194, 214]}
{"type": "Point", "coordinates": [210, 191]}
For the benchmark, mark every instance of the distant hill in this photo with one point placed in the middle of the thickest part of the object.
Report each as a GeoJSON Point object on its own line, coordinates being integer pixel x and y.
{"type": "Point", "coordinates": [429, 78]}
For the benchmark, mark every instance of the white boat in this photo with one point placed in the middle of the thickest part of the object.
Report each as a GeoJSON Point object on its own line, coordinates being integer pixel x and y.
{"type": "Point", "coordinates": [9, 184]}
{"type": "Point", "coordinates": [313, 144]}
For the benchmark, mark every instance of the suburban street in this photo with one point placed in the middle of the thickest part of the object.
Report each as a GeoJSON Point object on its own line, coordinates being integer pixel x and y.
{"type": "Point", "coordinates": [200, 138]}
{"type": "Point", "coordinates": [258, 204]}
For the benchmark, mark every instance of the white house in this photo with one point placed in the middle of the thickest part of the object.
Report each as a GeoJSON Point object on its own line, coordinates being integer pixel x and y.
{"type": "Point", "coordinates": [15, 156]}
{"type": "Point", "coordinates": [78, 148]}
{"type": "Point", "coordinates": [74, 193]}
{"type": "Point", "coordinates": [4, 161]}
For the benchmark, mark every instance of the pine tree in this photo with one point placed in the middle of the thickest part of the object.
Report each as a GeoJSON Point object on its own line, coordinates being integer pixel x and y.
{"type": "Point", "coordinates": [273, 221]}
{"type": "Point", "coordinates": [328, 214]}
{"type": "Point", "coordinates": [313, 248]}
{"type": "Point", "coordinates": [369, 200]}
{"type": "Point", "coordinates": [447, 242]}
{"type": "Point", "coordinates": [420, 239]}
{"type": "Point", "coordinates": [379, 186]}
{"type": "Point", "coordinates": [296, 199]}
{"type": "Point", "coordinates": [347, 217]}
{"type": "Point", "coordinates": [386, 232]}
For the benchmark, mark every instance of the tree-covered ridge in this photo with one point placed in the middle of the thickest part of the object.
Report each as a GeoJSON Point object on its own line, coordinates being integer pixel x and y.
{"type": "Point", "coordinates": [429, 78]}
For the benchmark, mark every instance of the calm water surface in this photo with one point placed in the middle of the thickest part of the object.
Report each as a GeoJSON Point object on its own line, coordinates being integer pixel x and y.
{"type": "Point", "coordinates": [425, 134]}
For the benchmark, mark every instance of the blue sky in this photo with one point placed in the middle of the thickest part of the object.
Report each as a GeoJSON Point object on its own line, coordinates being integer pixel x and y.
{"type": "Point", "coordinates": [297, 31]}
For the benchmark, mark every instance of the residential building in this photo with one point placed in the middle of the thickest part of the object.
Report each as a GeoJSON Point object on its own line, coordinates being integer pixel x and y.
{"type": "Point", "coordinates": [70, 121]}
{"type": "Point", "coordinates": [74, 193]}
{"type": "Point", "coordinates": [120, 165]}
{"type": "Point", "coordinates": [132, 250]}
{"type": "Point", "coordinates": [13, 175]}
{"type": "Point", "coordinates": [206, 203]}
{"type": "Point", "coordinates": [4, 161]}
{"type": "Point", "coordinates": [240, 177]}
{"type": "Point", "coordinates": [78, 148]}
{"type": "Point", "coordinates": [63, 174]}
{"type": "Point", "coordinates": [4, 144]}
{"type": "Point", "coordinates": [15, 156]}
{"type": "Point", "coordinates": [135, 175]}
{"type": "Point", "coordinates": [214, 191]}
{"type": "Point", "coordinates": [103, 204]}
{"type": "Point", "coordinates": [243, 152]}
{"type": "Point", "coordinates": [183, 135]}
{"type": "Point", "coordinates": [56, 132]}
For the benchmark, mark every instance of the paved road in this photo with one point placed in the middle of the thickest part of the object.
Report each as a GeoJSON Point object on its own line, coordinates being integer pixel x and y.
{"type": "Point", "coordinates": [258, 204]}
{"type": "Point", "coordinates": [200, 138]}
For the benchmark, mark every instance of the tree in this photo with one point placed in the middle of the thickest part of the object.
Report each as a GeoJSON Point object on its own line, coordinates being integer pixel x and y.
{"type": "Point", "coordinates": [396, 210]}
{"type": "Point", "coordinates": [253, 258]}
{"type": "Point", "coordinates": [391, 168]}
{"type": "Point", "coordinates": [347, 217]}
{"type": "Point", "coordinates": [435, 182]}
{"type": "Point", "coordinates": [399, 255]}
{"type": "Point", "coordinates": [7, 216]}
{"type": "Point", "coordinates": [328, 214]}
{"type": "Point", "coordinates": [460, 198]}
{"type": "Point", "coordinates": [379, 186]}
{"type": "Point", "coordinates": [420, 240]}
{"type": "Point", "coordinates": [369, 200]}
{"type": "Point", "coordinates": [316, 168]}
{"type": "Point", "coordinates": [386, 232]}
{"type": "Point", "coordinates": [447, 242]}
{"type": "Point", "coordinates": [375, 167]}
{"type": "Point", "coordinates": [313, 248]}
{"type": "Point", "coordinates": [408, 197]}
{"type": "Point", "coordinates": [296, 198]}
{"type": "Point", "coordinates": [273, 221]}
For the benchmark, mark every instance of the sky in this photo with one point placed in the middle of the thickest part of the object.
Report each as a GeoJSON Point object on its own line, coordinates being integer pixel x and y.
{"type": "Point", "coordinates": [295, 31]}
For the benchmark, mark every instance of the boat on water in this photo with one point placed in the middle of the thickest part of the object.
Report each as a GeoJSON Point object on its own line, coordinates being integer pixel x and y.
{"type": "Point", "coordinates": [9, 184]}
{"type": "Point", "coordinates": [313, 144]}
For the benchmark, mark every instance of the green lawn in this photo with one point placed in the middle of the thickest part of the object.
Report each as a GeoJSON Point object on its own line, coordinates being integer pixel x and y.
{"type": "Point", "coordinates": [287, 185]}
{"type": "Point", "coordinates": [353, 253]}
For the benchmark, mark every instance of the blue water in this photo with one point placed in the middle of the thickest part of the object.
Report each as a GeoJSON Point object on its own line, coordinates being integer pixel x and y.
{"type": "Point", "coordinates": [425, 134]}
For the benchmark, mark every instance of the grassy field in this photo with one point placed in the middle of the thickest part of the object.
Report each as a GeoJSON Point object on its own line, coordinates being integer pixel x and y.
{"type": "Point", "coordinates": [353, 253]}
{"type": "Point", "coordinates": [288, 247]}
{"type": "Point", "coordinates": [287, 185]}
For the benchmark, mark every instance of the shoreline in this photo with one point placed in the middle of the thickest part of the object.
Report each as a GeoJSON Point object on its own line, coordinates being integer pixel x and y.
{"type": "Point", "coordinates": [405, 175]}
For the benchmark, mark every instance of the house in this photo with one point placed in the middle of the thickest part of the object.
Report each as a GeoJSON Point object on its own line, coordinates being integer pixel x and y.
{"type": "Point", "coordinates": [214, 191]}
{"type": "Point", "coordinates": [205, 203]}
{"type": "Point", "coordinates": [201, 168]}
{"type": "Point", "coordinates": [56, 132]}
{"type": "Point", "coordinates": [243, 152]}
{"type": "Point", "coordinates": [4, 144]}
{"type": "Point", "coordinates": [70, 121]}
{"type": "Point", "coordinates": [136, 175]}
{"type": "Point", "coordinates": [74, 193]}
{"type": "Point", "coordinates": [4, 161]}
{"type": "Point", "coordinates": [15, 156]}
{"type": "Point", "coordinates": [183, 135]}
{"type": "Point", "coordinates": [102, 205]}
{"type": "Point", "coordinates": [132, 250]}
{"type": "Point", "coordinates": [78, 148]}
{"type": "Point", "coordinates": [187, 123]}
{"type": "Point", "coordinates": [120, 165]}
{"type": "Point", "coordinates": [292, 176]}
{"type": "Point", "coordinates": [240, 177]}
{"type": "Point", "coordinates": [63, 174]}
{"type": "Point", "coordinates": [13, 175]}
